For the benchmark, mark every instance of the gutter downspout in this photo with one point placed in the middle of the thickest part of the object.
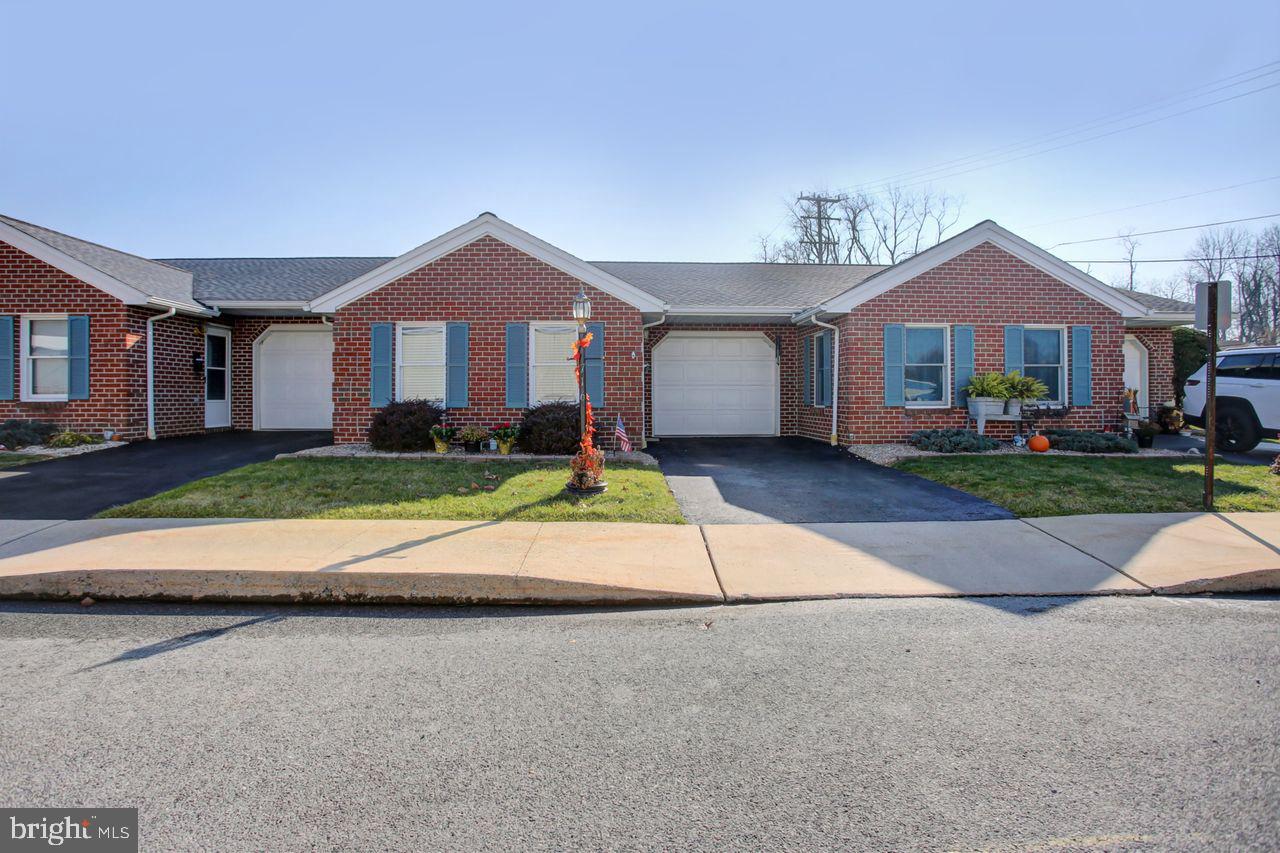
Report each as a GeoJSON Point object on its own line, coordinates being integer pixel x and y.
{"type": "Point", "coordinates": [644, 383]}
{"type": "Point", "coordinates": [151, 369]}
{"type": "Point", "coordinates": [835, 375]}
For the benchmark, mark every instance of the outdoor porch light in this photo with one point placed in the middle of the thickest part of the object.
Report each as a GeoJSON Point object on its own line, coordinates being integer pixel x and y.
{"type": "Point", "coordinates": [581, 307]}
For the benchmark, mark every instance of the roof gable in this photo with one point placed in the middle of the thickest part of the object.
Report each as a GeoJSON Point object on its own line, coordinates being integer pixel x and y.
{"type": "Point", "coordinates": [985, 232]}
{"type": "Point", "coordinates": [485, 225]}
{"type": "Point", "coordinates": [129, 278]}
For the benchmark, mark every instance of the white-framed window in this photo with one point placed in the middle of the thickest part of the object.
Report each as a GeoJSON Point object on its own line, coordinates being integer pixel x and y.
{"type": "Point", "coordinates": [1044, 357]}
{"type": "Point", "coordinates": [926, 376]}
{"type": "Point", "coordinates": [420, 366]}
{"type": "Point", "coordinates": [551, 377]}
{"type": "Point", "coordinates": [45, 343]}
{"type": "Point", "coordinates": [820, 369]}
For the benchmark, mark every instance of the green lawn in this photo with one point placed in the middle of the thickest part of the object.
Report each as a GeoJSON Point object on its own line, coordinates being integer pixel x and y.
{"type": "Point", "coordinates": [8, 460]}
{"type": "Point", "coordinates": [386, 488]}
{"type": "Point", "coordinates": [1070, 485]}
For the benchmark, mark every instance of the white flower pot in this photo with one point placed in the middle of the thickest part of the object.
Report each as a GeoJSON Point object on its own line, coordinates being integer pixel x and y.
{"type": "Point", "coordinates": [985, 407]}
{"type": "Point", "coordinates": [1013, 407]}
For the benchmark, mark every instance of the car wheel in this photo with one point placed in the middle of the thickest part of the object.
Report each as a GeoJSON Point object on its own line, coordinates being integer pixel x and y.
{"type": "Point", "coordinates": [1236, 430]}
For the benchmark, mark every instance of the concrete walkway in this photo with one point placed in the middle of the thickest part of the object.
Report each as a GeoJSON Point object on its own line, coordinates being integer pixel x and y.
{"type": "Point", "coordinates": [602, 563]}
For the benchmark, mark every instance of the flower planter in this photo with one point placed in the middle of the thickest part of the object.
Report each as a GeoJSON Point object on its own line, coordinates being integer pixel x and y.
{"type": "Point", "coordinates": [471, 446]}
{"type": "Point", "coordinates": [441, 445]}
{"type": "Point", "coordinates": [1145, 440]}
{"type": "Point", "coordinates": [985, 407]}
{"type": "Point", "coordinates": [1013, 407]}
{"type": "Point", "coordinates": [504, 447]}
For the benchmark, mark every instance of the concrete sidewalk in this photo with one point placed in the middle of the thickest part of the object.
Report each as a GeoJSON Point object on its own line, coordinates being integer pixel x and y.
{"type": "Point", "coordinates": [602, 563]}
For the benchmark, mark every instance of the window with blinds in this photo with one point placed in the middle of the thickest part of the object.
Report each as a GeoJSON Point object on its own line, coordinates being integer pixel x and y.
{"type": "Point", "coordinates": [551, 368]}
{"type": "Point", "coordinates": [420, 356]}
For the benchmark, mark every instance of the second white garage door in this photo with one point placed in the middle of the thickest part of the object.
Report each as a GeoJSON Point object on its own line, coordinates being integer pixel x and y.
{"type": "Point", "coordinates": [293, 379]}
{"type": "Point", "coordinates": [715, 384]}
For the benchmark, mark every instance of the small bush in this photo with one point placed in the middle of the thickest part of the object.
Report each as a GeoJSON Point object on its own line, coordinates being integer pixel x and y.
{"type": "Point", "coordinates": [1084, 441]}
{"type": "Point", "coordinates": [550, 428]}
{"type": "Point", "coordinates": [72, 439]}
{"type": "Point", "coordinates": [952, 441]}
{"type": "Point", "coordinates": [405, 426]}
{"type": "Point", "coordinates": [15, 433]}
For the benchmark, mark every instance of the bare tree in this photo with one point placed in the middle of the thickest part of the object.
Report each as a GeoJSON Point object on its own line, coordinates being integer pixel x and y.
{"type": "Point", "coordinates": [1252, 263]}
{"type": "Point", "coordinates": [866, 228]}
{"type": "Point", "coordinates": [1130, 248]}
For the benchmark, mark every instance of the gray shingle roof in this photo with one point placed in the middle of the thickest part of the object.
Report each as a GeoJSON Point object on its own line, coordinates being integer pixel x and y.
{"type": "Point", "coordinates": [153, 278]}
{"type": "Point", "coordinates": [1158, 303]}
{"type": "Point", "coordinates": [794, 286]}
{"type": "Point", "coordinates": [271, 279]}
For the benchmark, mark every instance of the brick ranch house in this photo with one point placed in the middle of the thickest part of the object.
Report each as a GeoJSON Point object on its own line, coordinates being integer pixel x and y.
{"type": "Point", "coordinates": [97, 339]}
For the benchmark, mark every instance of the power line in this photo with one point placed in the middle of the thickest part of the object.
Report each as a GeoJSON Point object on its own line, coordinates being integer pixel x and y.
{"type": "Point", "coordinates": [1082, 127]}
{"type": "Point", "coordinates": [1189, 94]}
{"type": "Point", "coordinates": [1179, 260]}
{"type": "Point", "coordinates": [1166, 230]}
{"type": "Point", "coordinates": [1159, 201]}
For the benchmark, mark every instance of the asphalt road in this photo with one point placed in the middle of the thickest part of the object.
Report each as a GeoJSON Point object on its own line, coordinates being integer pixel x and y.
{"type": "Point", "coordinates": [1109, 723]}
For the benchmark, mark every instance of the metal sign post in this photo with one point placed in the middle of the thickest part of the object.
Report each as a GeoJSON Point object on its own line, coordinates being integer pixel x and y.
{"type": "Point", "coordinates": [1210, 394]}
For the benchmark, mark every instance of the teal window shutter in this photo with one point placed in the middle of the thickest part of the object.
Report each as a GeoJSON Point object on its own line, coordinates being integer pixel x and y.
{"type": "Point", "coordinates": [895, 345]}
{"type": "Point", "coordinates": [78, 357]}
{"type": "Point", "coordinates": [517, 365]}
{"type": "Point", "coordinates": [593, 363]}
{"type": "Point", "coordinates": [380, 364]}
{"type": "Point", "coordinates": [807, 369]}
{"type": "Point", "coordinates": [824, 369]}
{"type": "Point", "coordinates": [6, 358]}
{"type": "Point", "coordinates": [1013, 349]}
{"type": "Point", "coordinates": [456, 356]}
{"type": "Point", "coordinates": [1081, 366]}
{"type": "Point", "coordinates": [963, 367]}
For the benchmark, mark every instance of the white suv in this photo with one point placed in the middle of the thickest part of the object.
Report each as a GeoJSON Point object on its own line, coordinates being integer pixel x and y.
{"type": "Point", "coordinates": [1248, 397]}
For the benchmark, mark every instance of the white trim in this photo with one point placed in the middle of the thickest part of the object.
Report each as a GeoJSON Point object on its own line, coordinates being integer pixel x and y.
{"type": "Point", "coordinates": [985, 232]}
{"type": "Point", "coordinates": [256, 346]}
{"type": "Point", "coordinates": [945, 403]}
{"type": "Point", "coordinates": [485, 225]}
{"type": "Point", "coordinates": [1064, 378]}
{"type": "Point", "coordinates": [25, 375]}
{"type": "Point", "coordinates": [1144, 380]}
{"type": "Point", "coordinates": [533, 373]}
{"type": "Point", "coordinates": [221, 332]}
{"type": "Point", "coordinates": [739, 333]}
{"type": "Point", "coordinates": [398, 381]}
{"type": "Point", "coordinates": [733, 310]}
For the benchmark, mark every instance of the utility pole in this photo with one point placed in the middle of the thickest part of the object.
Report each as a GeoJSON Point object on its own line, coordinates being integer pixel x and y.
{"type": "Point", "coordinates": [1210, 395]}
{"type": "Point", "coordinates": [824, 244]}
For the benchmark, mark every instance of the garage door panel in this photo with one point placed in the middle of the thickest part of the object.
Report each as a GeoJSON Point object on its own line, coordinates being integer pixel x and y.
{"type": "Point", "coordinates": [295, 380]}
{"type": "Point", "coordinates": [715, 385]}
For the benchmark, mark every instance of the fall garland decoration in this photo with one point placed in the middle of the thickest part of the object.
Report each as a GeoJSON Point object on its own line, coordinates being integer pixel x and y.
{"type": "Point", "coordinates": [587, 466]}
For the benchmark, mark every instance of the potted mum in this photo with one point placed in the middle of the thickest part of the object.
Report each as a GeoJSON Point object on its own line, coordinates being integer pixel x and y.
{"type": "Point", "coordinates": [987, 393]}
{"type": "Point", "coordinates": [506, 436]}
{"type": "Point", "coordinates": [1023, 389]}
{"type": "Point", "coordinates": [441, 436]}
{"type": "Point", "coordinates": [472, 437]}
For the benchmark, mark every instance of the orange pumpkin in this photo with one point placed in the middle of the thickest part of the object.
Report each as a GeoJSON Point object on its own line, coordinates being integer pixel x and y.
{"type": "Point", "coordinates": [1038, 443]}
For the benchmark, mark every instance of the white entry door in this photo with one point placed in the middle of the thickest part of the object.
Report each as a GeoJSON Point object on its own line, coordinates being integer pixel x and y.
{"type": "Point", "coordinates": [294, 378]}
{"type": "Point", "coordinates": [715, 383]}
{"type": "Point", "coordinates": [217, 378]}
{"type": "Point", "coordinates": [1135, 372]}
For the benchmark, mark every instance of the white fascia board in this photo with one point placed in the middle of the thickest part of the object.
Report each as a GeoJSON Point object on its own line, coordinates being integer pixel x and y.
{"type": "Point", "coordinates": [183, 307]}
{"type": "Point", "coordinates": [72, 266]}
{"type": "Point", "coordinates": [485, 225]}
{"type": "Point", "coordinates": [293, 304]}
{"type": "Point", "coordinates": [732, 310]}
{"type": "Point", "coordinates": [985, 232]}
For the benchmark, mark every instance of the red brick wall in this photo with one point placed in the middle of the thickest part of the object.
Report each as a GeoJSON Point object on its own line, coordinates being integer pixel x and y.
{"type": "Point", "coordinates": [179, 389]}
{"type": "Point", "coordinates": [812, 421]}
{"type": "Point", "coordinates": [988, 289]}
{"type": "Point", "coordinates": [487, 284]}
{"type": "Point", "coordinates": [788, 368]}
{"type": "Point", "coordinates": [1159, 344]}
{"type": "Point", "coordinates": [244, 331]}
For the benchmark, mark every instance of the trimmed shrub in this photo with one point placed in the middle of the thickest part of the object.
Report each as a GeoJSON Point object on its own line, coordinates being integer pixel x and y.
{"type": "Point", "coordinates": [72, 439]}
{"type": "Point", "coordinates": [405, 426]}
{"type": "Point", "coordinates": [952, 441]}
{"type": "Point", "coordinates": [551, 428]}
{"type": "Point", "coordinates": [1084, 441]}
{"type": "Point", "coordinates": [16, 433]}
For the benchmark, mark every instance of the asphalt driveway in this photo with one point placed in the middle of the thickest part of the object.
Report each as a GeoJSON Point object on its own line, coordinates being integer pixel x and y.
{"type": "Point", "coordinates": [794, 480]}
{"type": "Point", "coordinates": [81, 486]}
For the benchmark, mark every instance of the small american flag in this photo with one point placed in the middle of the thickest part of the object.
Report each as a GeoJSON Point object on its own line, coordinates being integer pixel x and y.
{"type": "Point", "coordinates": [620, 432]}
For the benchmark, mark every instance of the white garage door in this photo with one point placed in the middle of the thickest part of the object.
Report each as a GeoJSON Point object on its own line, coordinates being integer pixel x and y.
{"type": "Point", "coordinates": [294, 379]}
{"type": "Point", "coordinates": [715, 384]}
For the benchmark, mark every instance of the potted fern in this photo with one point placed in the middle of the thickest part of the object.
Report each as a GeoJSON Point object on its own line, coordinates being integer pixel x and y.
{"type": "Point", "coordinates": [987, 394]}
{"type": "Point", "coordinates": [1023, 389]}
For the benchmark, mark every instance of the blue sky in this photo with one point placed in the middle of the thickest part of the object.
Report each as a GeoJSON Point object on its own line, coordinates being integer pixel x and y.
{"type": "Point", "coordinates": [651, 132]}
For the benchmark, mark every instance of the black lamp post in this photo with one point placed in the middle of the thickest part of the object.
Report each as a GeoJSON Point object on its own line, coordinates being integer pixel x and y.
{"type": "Point", "coordinates": [581, 314]}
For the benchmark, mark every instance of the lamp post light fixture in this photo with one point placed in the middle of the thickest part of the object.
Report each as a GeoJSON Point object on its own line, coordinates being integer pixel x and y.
{"type": "Point", "coordinates": [581, 314]}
